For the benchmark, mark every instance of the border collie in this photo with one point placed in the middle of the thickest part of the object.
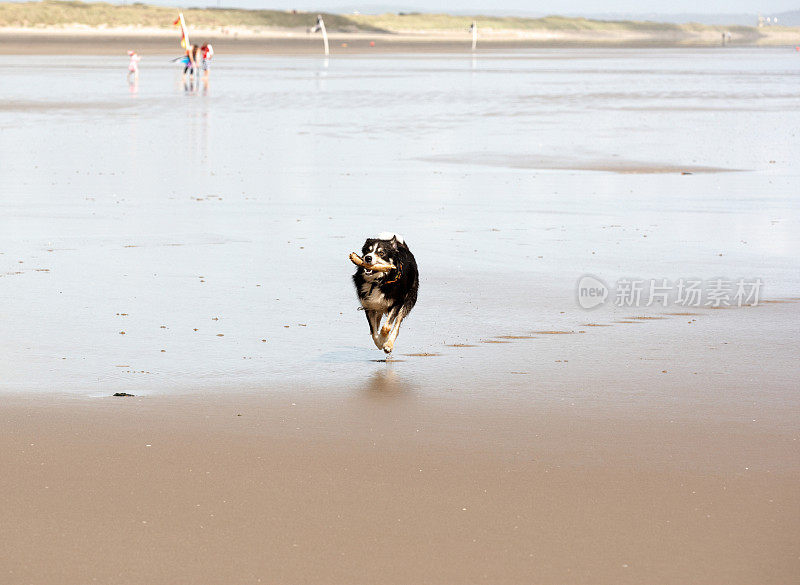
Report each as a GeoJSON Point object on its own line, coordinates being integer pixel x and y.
{"type": "Point", "coordinates": [392, 293]}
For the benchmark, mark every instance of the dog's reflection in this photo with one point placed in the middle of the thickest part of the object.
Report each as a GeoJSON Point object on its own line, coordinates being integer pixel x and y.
{"type": "Point", "coordinates": [387, 383]}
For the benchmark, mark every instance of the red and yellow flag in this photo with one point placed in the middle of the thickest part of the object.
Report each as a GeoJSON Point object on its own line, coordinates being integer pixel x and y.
{"type": "Point", "coordinates": [184, 33]}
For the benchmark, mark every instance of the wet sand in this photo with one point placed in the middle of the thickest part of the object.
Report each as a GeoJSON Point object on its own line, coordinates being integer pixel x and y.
{"type": "Point", "coordinates": [260, 490]}
{"type": "Point", "coordinates": [190, 247]}
{"type": "Point", "coordinates": [657, 465]}
{"type": "Point", "coordinates": [81, 40]}
{"type": "Point", "coordinates": [16, 42]}
{"type": "Point", "coordinates": [614, 165]}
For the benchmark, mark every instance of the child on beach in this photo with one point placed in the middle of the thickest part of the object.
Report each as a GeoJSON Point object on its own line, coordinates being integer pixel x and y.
{"type": "Point", "coordinates": [191, 63]}
{"type": "Point", "coordinates": [133, 66]}
{"type": "Point", "coordinates": [206, 52]}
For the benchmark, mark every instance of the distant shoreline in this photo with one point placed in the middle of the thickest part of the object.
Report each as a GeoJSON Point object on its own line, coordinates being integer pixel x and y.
{"type": "Point", "coordinates": [80, 39]}
{"type": "Point", "coordinates": [75, 27]}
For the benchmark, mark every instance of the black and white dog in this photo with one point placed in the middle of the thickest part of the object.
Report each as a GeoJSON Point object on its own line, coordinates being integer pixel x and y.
{"type": "Point", "coordinates": [391, 293]}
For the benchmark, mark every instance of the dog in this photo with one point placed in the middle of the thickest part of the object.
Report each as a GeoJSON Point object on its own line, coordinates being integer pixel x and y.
{"type": "Point", "coordinates": [392, 293]}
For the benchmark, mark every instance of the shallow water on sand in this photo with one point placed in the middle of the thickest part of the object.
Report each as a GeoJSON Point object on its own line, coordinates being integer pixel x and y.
{"type": "Point", "coordinates": [157, 239]}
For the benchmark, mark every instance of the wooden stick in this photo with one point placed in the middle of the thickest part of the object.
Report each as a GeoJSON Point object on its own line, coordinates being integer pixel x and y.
{"type": "Point", "coordinates": [358, 261]}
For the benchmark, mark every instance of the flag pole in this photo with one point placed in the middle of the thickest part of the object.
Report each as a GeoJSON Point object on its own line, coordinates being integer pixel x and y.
{"type": "Point", "coordinates": [184, 33]}
{"type": "Point", "coordinates": [474, 29]}
{"type": "Point", "coordinates": [320, 26]}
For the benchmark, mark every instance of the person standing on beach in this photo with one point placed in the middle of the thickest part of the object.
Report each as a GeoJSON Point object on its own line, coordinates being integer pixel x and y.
{"type": "Point", "coordinates": [191, 62]}
{"type": "Point", "coordinates": [206, 52]}
{"type": "Point", "coordinates": [133, 67]}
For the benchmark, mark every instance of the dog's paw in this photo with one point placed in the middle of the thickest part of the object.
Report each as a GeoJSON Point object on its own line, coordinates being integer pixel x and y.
{"type": "Point", "coordinates": [388, 347]}
{"type": "Point", "coordinates": [386, 330]}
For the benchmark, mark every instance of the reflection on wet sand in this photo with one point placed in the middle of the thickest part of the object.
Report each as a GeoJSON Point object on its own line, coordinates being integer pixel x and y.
{"type": "Point", "coordinates": [387, 383]}
{"type": "Point", "coordinates": [573, 163]}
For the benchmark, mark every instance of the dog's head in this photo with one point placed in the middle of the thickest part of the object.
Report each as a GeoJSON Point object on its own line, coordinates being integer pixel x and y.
{"type": "Point", "coordinates": [380, 251]}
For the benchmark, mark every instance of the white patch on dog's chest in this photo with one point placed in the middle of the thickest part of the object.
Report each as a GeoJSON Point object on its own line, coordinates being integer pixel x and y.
{"type": "Point", "coordinates": [373, 298]}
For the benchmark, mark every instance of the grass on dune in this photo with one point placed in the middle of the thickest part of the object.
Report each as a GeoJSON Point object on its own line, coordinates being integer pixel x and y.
{"type": "Point", "coordinates": [103, 14]}
{"type": "Point", "coordinates": [447, 22]}
{"type": "Point", "coordinates": [68, 12]}
{"type": "Point", "coordinates": [420, 21]}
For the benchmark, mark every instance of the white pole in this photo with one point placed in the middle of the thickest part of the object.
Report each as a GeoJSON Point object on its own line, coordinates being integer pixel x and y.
{"type": "Point", "coordinates": [474, 28]}
{"type": "Point", "coordinates": [325, 37]}
{"type": "Point", "coordinates": [185, 31]}
{"type": "Point", "coordinates": [321, 27]}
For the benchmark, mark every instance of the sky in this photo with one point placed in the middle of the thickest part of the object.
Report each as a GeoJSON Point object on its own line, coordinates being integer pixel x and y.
{"type": "Point", "coordinates": [504, 7]}
{"type": "Point", "coordinates": [573, 7]}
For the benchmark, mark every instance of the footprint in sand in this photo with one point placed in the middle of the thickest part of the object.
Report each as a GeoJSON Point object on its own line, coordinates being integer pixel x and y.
{"type": "Point", "coordinates": [554, 332]}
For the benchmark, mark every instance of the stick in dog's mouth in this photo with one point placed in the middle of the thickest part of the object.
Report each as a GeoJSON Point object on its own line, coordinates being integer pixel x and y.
{"type": "Point", "coordinates": [369, 268]}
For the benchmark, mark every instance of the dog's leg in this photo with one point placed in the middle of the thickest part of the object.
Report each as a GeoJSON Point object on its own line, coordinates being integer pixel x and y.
{"type": "Point", "coordinates": [374, 319]}
{"type": "Point", "coordinates": [387, 326]}
{"type": "Point", "coordinates": [388, 345]}
{"type": "Point", "coordinates": [380, 337]}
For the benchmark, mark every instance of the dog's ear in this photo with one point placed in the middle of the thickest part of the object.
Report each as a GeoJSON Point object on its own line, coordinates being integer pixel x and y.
{"type": "Point", "coordinates": [393, 241]}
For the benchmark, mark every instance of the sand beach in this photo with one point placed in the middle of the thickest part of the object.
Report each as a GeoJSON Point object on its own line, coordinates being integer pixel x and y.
{"type": "Point", "coordinates": [87, 40]}
{"type": "Point", "coordinates": [188, 246]}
